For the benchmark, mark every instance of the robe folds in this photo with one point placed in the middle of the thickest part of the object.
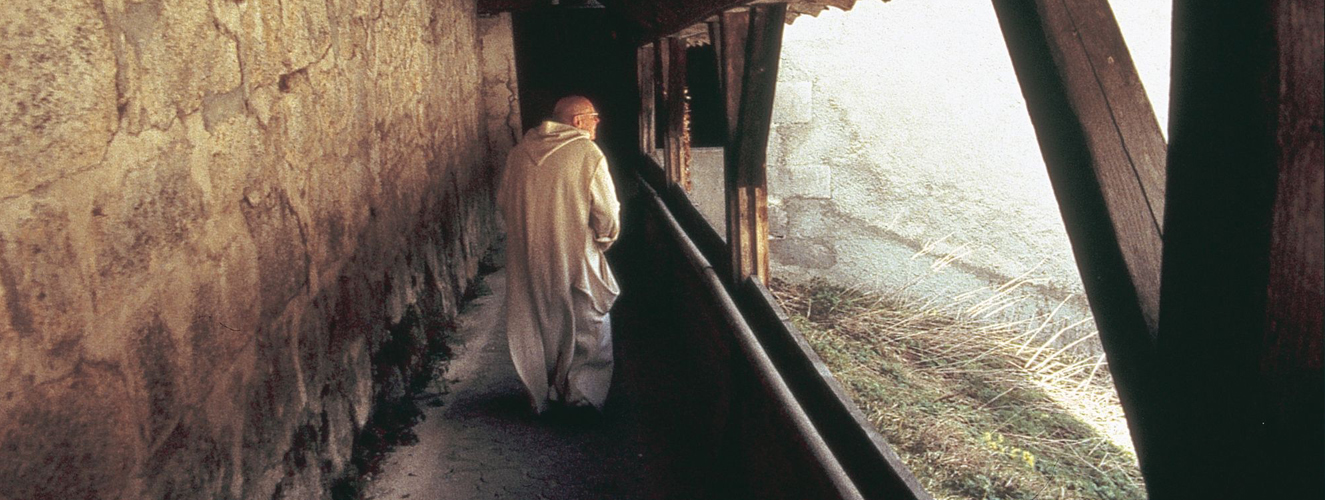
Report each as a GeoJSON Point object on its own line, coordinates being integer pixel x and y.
{"type": "Point", "coordinates": [561, 213]}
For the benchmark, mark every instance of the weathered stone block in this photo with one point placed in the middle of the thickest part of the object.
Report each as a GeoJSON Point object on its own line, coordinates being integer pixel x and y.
{"type": "Point", "coordinates": [806, 181]}
{"type": "Point", "coordinates": [805, 253]}
{"type": "Point", "coordinates": [777, 219]}
{"type": "Point", "coordinates": [807, 218]}
{"type": "Point", "coordinates": [793, 103]}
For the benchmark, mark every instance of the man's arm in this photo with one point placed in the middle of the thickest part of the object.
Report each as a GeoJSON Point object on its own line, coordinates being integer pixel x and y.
{"type": "Point", "coordinates": [605, 212]}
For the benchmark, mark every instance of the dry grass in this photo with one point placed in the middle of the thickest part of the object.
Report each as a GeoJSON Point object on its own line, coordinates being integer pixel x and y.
{"type": "Point", "coordinates": [976, 410]}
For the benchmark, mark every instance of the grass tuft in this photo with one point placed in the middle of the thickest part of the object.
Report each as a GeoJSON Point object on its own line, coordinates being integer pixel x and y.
{"type": "Point", "coordinates": [977, 410]}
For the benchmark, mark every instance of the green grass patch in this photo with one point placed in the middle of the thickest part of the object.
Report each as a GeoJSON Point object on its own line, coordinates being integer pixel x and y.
{"type": "Point", "coordinates": [972, 410]}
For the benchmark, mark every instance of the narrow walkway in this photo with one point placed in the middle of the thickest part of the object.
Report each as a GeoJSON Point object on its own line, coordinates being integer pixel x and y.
{"type": "Point", "coordinates": [484, 442]}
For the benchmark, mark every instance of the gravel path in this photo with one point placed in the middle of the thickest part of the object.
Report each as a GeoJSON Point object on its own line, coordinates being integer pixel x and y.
{"type": "Point", "coordinates": [484, 442]}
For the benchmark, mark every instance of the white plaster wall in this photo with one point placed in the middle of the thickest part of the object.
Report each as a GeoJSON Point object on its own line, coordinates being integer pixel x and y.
{"type": "Point", "coordinates": [903, 160]}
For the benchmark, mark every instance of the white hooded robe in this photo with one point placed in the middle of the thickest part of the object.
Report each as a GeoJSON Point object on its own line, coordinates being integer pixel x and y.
{"type": "Point", "coordinates": [561, 213]}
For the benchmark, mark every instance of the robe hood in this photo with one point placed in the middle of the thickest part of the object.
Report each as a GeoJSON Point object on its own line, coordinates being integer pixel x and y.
{"type": "Point", "coordinates": [548, 137]}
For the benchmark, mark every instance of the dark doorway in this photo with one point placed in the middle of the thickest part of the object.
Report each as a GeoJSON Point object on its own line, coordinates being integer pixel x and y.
{"type": "Point", "coordinates": [578, 51]}
{"type": "Point", "coordinates": [706, 107]}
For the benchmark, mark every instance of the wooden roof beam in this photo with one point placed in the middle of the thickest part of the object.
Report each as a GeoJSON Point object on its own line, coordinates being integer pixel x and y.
{"type": "Point", "coordinates": [488, 7]}
{"type": "Point", "coordinates": [652, 20]}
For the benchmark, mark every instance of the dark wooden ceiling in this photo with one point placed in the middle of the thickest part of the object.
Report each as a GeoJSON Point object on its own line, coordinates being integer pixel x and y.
{"type": "Point", "coordinates": [645, 20]}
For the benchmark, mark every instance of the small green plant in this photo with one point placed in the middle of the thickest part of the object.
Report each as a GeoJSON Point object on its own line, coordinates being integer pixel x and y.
{"type": "Point", "coordinates": [996, 442]}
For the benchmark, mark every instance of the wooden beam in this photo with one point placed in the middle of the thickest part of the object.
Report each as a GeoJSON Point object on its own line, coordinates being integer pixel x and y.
{"type": "Point", "coordinates": [728, 35]}
{"type": "Point", "coordinates": [674, 94]}
{"type": "Point", "coordinates": [733, 29]}
{"type": "Point", "coordinates": [751, 45]}
{"type": "Point", "coordinates": [489, 7]}
{"type": "Point", "coordinates": [1240, 323]}
{"type": "Point", "coordinates": [1104, 152]}
{"type": "Point", "coordinates": [647, 82]}
{"type": "Point", "coordinates": [1111, 122]}
{"type": "Point", "coordinates": [649, 20]}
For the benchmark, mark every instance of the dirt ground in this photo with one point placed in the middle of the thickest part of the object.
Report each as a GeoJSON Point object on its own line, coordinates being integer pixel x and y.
{"type": "Point", "coordinates": [484, 441]}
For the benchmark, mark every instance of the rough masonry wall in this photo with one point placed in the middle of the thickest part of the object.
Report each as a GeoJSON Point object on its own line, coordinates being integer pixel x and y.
{"type": "Point", "coordinates": [903, 160]}
{"type": "Point", "coordinates": [227, 227]}
{"type": "Point", "coordinates": [500, 89]}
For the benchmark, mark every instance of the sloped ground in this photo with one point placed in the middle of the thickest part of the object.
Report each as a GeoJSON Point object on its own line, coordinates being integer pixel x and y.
{"type": "Point", "coordinates": [976, 410]}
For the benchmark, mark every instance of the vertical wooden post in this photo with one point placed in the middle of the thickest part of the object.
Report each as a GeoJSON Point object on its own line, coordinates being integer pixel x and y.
{"type": "Point", "coordinates": [646, 79]}
{"type": "Point", "coordinates": [660, 64]}
{"type": "Point", "coordinates": [751, 46]}
{"type": "Point", "coordinates": [675, 97]}
{"type": "Point", "coordinates": [733, 27]}
{"type": "Point", "coordinates": [1240, 318]}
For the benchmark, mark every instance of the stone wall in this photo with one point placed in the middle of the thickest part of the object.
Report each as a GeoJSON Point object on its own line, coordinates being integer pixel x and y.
{"type": "Point", "coordinates": [903, 160]}
{"type": "Point", "coordinates": [500, 88]}
{"type": "Point", "coordinates": [227, 228]}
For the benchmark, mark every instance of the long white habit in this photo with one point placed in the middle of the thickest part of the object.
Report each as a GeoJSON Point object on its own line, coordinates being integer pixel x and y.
{"type": "Point", "coordinates": [561, 213]}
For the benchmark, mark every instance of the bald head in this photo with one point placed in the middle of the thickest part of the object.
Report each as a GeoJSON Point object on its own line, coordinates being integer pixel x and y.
{"type": "Point", "coordinates": [577, 112]}
{"type": "Point", "coordinates": [569, 106]}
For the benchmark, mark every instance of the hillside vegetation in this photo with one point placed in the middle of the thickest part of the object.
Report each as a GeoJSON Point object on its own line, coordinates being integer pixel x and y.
{"type": "Point", "coordinates": [975, 410]}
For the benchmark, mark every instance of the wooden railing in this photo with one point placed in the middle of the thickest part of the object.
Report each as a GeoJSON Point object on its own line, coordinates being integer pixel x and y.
{"type": "Point", "coordinates": [798, 432]}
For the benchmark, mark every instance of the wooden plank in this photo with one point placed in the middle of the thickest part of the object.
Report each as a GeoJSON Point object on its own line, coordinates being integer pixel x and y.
{"type": "Point", "coordinates": [733, 29]}
{"type": "Point", "coordinates": [1104, 152]}
{"type": "Point", "coordinates": [763, 50]}
{"type": "Point", "coordinates": [715, 39]}
{"type": "Point", "coordinates": [1121, 137]}
{"type": "Point", "coordinates": [1291, 357]}
{"type": "Point", "coordinates": [752, 43]}
{"type": "Point", "coordinates": [646, 80]}
{"type": "Point", "coordinates": [660, 63]}
{"type": "Point", "coordinates": [674, 93]}
{"type": "Point", "coordinates": [648, 20]}
{"type": "Point", "coordinates": [1240, 328]}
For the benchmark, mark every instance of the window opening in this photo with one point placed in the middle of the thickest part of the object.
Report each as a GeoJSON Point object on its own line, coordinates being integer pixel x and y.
{"type": "Point", "coordinates": [904, 173]}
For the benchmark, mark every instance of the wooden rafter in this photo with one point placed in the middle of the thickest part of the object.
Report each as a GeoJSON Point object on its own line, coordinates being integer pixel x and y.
{"type": "Point", "coordinates": [1105, 155]}
{"type": "Point", "coordinates": [1091, 113]}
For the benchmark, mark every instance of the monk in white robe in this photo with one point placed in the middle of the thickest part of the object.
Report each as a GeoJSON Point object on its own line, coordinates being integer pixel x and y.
{"type": "Point", "coordinates": [561, 214]}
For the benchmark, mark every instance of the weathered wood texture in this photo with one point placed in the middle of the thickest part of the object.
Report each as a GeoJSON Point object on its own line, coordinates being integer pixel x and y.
{"type": "Point", "coordinates": [649, 20]}
{"type": "Point", "coordinates": [1104, 152]}
{"type": "Point", "coordinates": [747, 142]}
{"type": "Point", "coordinates": [1240, 324]}
{"type": "Point", "coordinates": [674, 95]}
{"type": "Point", "coordinates": [646, 78]}
{"type": "Point", "coordinates": [733, 27]}
{"type": "Point", "coordinates": [1291, 355]}
{"type": "Point", "coordinates": [1116, 125]}
{"type": "Point", "coordinates": [729, 39]}
{"type": "Point", "coordinates": [660, 64]}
